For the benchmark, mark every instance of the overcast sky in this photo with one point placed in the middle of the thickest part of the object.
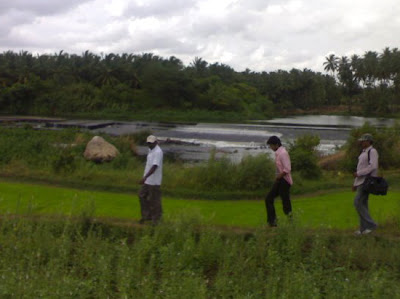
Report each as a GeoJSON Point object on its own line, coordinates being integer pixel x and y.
{"type": "Point", "coordinates": [262, 35]}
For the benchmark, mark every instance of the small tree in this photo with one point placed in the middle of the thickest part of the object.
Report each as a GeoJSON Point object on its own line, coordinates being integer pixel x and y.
{"type": "Point", "coordinates": [304, 157]}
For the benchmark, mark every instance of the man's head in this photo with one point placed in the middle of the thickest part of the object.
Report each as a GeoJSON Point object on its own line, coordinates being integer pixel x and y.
{"type": "Point", "coordinates": [366, 140]}
{"type": "Point", "coordinates": [274, 143]}
{"type": "Point", "coordinates": [151, 141]}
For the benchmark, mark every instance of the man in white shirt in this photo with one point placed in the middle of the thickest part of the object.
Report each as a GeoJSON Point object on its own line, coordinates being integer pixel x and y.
{"type": "Point", "coordinates": [150, 192]}
{"type": "Point", "coordinates": [367, 166]}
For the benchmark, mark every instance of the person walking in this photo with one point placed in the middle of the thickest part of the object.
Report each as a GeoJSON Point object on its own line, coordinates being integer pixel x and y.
{"type": "Point", "coordinates": [150, 192]}
{"type": "Point", "coordinates": [367, 166]}
{"type": "Point", "coordinates": [283, 181]}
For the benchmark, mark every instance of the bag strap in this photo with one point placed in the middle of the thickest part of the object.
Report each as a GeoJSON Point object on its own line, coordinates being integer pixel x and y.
{"type": "Point", "coordinates": [369, 174]}
{"type": "Point", "coordinates": [369, 155]}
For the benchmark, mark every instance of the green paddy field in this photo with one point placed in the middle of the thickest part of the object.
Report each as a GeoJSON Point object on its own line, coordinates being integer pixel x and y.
{"type": "Point", "coordinates": [72, 243]}
{"type": "Point", "coordinates": [329, 210]}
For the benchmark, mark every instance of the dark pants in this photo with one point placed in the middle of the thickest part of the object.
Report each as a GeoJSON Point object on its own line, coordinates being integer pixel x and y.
{"type": "Point", "coordinates": [281, 188]}
{"type": "Point", "coordinates": [150, 202]}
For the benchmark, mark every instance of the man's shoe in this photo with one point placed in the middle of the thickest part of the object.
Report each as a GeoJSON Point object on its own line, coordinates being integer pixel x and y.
{"type": "Point", "coordinates": [357, 232]}
{"type": "Point", "coordinates": [367, 231]}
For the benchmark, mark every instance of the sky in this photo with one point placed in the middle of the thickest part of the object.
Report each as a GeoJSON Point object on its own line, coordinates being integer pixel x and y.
{"type": "Point", "coordinates": [260, 35]}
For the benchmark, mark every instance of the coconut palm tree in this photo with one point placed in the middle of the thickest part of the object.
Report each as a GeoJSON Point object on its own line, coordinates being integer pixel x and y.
{"type": "Point", "coordinates": [331, 64]}
{"type": "Point", "coordinates": [386, 66]}
{"type": "Point", "coordinates": [199, 65]}
{"type": "Point", "coordinates": [357, 68]}
{"type": "Point", "coordinates": [371, 65]}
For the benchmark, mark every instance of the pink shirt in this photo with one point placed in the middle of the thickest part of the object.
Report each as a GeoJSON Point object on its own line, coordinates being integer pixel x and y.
{"type": "Point", "coordinates": [282, 162]}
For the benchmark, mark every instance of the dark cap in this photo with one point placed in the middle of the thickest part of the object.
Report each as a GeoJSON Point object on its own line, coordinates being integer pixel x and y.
{"type": "Point", "coordinates": [274, 140]}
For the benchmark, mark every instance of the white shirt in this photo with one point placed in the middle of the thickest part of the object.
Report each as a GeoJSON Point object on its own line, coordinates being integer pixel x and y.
{"type": "Point", "coordinates": [154, 157]}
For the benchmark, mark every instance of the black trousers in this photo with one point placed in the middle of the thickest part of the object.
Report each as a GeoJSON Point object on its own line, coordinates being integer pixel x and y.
{"type": "Point", "coordinates": [281, 188]}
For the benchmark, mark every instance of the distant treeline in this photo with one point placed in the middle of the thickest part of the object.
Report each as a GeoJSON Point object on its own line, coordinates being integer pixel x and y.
{"type": "Point", "coordinates": [370, 81]}
{"type": "Point", "coordinates": [67, 84]}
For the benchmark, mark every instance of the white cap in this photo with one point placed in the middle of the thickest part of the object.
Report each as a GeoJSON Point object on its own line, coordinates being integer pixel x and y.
{"type": "Point", "coordinates": [151, 139]}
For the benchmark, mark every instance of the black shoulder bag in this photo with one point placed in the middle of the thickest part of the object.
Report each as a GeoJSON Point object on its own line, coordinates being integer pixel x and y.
{"type": "Point", "coordinates": [374, 184]}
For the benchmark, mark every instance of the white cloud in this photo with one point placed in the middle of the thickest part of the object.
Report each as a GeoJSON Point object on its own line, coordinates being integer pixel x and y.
{"type": "Point", "coordinates": [39, 7]}
{"type": "Point", "coordinates": [158, 8]}
{"type": "Point", "coordinates": [262, 35]}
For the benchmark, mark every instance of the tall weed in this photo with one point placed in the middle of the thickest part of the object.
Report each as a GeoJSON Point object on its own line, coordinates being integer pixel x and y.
{"type": "Point", "coordinates": [67, 258]}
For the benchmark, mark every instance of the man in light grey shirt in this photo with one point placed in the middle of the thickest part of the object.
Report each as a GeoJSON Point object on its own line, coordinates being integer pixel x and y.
{"type": "Point", "coordinates": [367, 166]}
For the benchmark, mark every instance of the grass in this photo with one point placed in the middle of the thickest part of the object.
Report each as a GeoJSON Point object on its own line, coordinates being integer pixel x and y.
{"type": "Point", "coordinates": [76, 257]}
{"type": "Point", "coordinates": [80, 259]}
{"type": "Point", "coordinates": [330, 210]}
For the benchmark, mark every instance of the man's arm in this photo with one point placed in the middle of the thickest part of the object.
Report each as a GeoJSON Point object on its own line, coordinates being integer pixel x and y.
{"type": "Point", "coordinates": [149, 173]}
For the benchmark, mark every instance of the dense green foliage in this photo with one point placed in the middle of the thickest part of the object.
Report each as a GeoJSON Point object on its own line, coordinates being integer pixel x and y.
{"type": "Point", "coordinates": [80, 258]}
{"type": "Point", "coordinates": [386, 141]}
{"type": "Point", "coordinates": [371, 81]}
{"type": "Point", "coordinates": [251, 173]}
{"type": "Point", "coordinates": [64, 84]}
{"type": "Point", "coordinates": [123, 84]}
{"type": "Point", "coordinates": [304, 156]}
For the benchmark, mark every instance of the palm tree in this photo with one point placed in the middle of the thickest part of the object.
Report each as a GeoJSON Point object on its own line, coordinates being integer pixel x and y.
{"type": "Point", "coordinates": [386, 65]}
{"type": "Point", "coordinates": [199, 65]}
{"type": "Point", "coordinates": [357, 68]}
{"type": "Point", "coordinates": [371, 65]}
{"type": "Point", "coordinates": [331, 64]}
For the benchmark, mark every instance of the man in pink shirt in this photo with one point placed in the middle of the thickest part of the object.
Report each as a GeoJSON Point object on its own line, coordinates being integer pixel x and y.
{"type": "Point", "coordinates": [283, 181]}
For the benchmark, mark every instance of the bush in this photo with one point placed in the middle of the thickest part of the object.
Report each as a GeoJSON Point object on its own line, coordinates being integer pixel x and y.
{"type": "Point", "coordinates": [255, 172]}
{"type": "Point", "coordinates": [252, 173]}
{"type": "Point", "coordinates": [121, 161]}
{"type": "Point", "coordinates": [215, 174]}
{"type": "Point", "coordinates": [64, 162]}
{"type": "Point", "coordinates": [304, 156]}
{"type": "Point", "coordinates": [386, 142]}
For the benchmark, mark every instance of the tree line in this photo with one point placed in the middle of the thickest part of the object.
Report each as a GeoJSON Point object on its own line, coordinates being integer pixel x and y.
{"type": "Point", "coordinates": [370, 81]}
{"type": "Point", "coordinates": [66, 84]}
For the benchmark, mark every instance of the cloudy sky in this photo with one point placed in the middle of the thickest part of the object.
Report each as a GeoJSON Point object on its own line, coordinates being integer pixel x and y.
{"type": "Point", "coordinates": [262, 35]}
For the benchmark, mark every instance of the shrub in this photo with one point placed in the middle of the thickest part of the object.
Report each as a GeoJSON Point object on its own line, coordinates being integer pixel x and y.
{"type": "Point", "coordinates": [255, 172]}
{"type": "Point", "coordinates": [215, 174]}
{"type": "Point", "coordinates": [386, 141]}
{"type": "Point", "coordinates": [252, 173]}
{"type": "Point", "coordinates": [121, 161]}
{"type": "Point", "coordinates": [304, 156]}
{"type": "Point", "coordinates": [64, 162]}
